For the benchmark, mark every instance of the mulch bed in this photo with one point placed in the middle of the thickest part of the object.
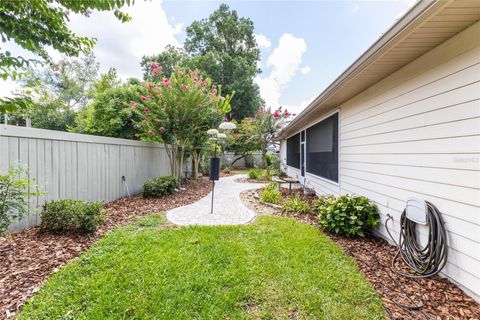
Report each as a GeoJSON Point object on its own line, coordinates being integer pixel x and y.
{"type": "Point", "coordinates": [29, 257]}
{"type": "Point", "coordinates": [439, 298]}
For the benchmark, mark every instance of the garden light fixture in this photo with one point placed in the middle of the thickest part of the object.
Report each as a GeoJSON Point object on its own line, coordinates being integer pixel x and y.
{"type": "Point", "coordinates": [216, 137]}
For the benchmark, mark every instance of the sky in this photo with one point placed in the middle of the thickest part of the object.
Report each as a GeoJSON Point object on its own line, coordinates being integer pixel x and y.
{"type": "Point", "coordinates": [305, 45]}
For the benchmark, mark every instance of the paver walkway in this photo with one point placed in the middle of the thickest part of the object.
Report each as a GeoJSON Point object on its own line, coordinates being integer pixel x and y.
{"type": "Point", "coordinates": [227, 206]}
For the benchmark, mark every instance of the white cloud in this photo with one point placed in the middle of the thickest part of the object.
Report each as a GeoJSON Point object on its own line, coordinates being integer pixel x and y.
{"type": "Point", "coordinates": [284, 61]}
{"type": "Point", "coordinates": [305, 70]}
{"type": "Point", "coordinates": [121, 45]}
{"type": "Point", "coordinates": [262, 41]}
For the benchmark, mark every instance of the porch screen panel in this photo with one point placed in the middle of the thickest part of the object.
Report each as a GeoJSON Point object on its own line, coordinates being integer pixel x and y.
{"type": "Point", "coordinates": [322, 148]}
{"type": "Point", "coordinates": [293, 151]}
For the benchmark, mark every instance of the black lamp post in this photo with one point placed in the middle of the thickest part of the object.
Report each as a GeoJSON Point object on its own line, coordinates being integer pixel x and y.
{"type": "Point", "coordinates": [216, 137]}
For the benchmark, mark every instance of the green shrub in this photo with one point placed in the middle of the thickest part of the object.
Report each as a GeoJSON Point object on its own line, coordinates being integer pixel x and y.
{"type": "Point", "coordinates": [272, 161]}
{"type": "Point", "coordinates": [349, 215]}
{"type": "Point", "coordinates": [227, 169]}
{"type": "Point", "coordinates": [76, 215]}
{"type": "Point", "coordinates": [271, 194]}
{"type": "Point", "coordinates": [296, 205]}
{"type": "Point", "coordinates": [15, 192]}
{"type": "Point", "coordinates": [255, 174]}
{"type": "Point", "coordinates": [160, 186]}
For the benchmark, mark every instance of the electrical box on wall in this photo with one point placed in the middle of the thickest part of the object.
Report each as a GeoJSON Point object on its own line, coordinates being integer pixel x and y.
{"type": "Point", "coordinates": [416, 210]}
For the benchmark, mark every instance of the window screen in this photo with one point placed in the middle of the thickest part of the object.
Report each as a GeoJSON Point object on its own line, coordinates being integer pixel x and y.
{"type": "Point", "coordinates": [293, 151]}
{"type": "Point", "coordinates": [322, 148]}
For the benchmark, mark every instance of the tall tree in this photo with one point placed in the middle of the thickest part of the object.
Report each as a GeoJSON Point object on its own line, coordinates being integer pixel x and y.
{"type": "Point", "coordinates": [168, 59]}
{"type": "Point", "coordinates": [70, 80]}
{"type": "Point", "coordinates": [45, 113]}
{"type": "Point", "coordinates": [37, 24]}
{"type": "Point", "coordinates": [61, 89]}
{"type": "Point", "coordinates": [224, 46]}
{"type": "Point", "coordinates": [110, 114]}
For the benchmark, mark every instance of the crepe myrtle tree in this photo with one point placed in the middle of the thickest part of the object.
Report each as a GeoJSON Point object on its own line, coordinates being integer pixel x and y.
{"type": "Point", "coordinates": [177, 111]}
{"type": "Point", "coordinates": [259, 132]}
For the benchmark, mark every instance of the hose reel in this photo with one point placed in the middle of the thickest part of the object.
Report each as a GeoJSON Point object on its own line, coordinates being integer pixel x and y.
{"type": "Point", "coordinates": [428, 260]}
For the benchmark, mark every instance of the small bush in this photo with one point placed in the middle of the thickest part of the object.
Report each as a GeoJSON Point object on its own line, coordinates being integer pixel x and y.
{"type": "Point", "coordinates": [227, 170]}
{"type": "Point", "coordinates": [15, 191]}
{"type": "Point", "coordinates": [296, 205]}
{"type": "Point", "coordinates": [271, 194]}
{"type": "Point", "coordinates": [272, 161]}
{"type": "Point", "coordinates": [255, 174]}
{"type": "Point", "coordinates": [160, 186]}
{"type": "Point", "coordinates": [347, 214]}
{"type": "Point", "coordinates": [76, 215]}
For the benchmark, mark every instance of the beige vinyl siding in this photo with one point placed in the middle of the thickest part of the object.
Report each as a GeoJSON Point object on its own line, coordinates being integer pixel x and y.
{"type": "Point", "coordinates": [417, 133]}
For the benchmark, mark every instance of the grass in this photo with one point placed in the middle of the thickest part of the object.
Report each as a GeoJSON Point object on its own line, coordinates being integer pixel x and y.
{"type": "Point", "coordinates": [276, 268]}
{"type": "Point", "coordinates": [240, 171]}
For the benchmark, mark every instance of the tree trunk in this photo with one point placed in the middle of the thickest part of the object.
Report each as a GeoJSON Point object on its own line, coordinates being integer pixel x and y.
{"type": "Point", "coordinates": [179, 172]}
{"type": "Point", "coordinates": [195, 161]}
{"type": "Point", "coordinates": [241, 157]}
{"type": "Point", "coordinates": [264, 159]}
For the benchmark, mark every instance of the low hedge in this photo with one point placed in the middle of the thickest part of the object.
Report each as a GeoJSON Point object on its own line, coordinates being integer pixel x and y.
{"type": "Point", "coordinates": [160, 186]}
{"type": "Point", "coordinates": [73, 215]}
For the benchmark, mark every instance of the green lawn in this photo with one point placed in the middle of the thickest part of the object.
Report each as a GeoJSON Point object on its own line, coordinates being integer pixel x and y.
{"type": "Point", "coordinates": [240, 171]}
{"type": "Point", "coordinates": [276, 268]}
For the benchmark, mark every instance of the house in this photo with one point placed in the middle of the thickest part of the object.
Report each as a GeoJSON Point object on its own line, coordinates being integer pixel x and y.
{"type": "Point", "coordinates": [404, 121]}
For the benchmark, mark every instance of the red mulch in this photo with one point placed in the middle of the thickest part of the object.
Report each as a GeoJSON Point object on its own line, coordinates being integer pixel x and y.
{"type": "Point", "coordinates": [29, 257]}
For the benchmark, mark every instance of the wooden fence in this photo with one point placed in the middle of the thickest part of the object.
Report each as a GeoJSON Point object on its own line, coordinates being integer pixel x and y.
{"type": "Point", "coordinates": [77, 166]}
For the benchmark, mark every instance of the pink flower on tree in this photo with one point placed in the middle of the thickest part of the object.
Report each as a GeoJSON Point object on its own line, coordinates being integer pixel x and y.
{"type": "Point", "coordinates": [146, 110]}
{"type": "Point", "coordinates": [204, 84]}
{"type": "Point", "coordinates": [161, 129]}
{"type": "Point", "coordinates": [151, 86]}
{"type": "Point", "coordinates": [143, 98]}
{"type": "Point", "coordinates": [149, 97]}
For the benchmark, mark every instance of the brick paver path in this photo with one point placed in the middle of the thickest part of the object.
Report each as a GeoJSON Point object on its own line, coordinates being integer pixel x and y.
{"type": "Point", "coordinates": [227, 207]}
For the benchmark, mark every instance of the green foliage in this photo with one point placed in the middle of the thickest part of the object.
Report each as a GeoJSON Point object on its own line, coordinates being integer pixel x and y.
{"type": "Point", "coordinates": [272, 161]}
{"type": "Point", "coordinates": [349, 215]}
{"type": "Point", "coordinates": [107, 81]}
{"type": "Point", "coordinates": [74, 215]}
{"type": "Point", "coordinates": [271, 194]}
{"type": "Point", "coordinates": [110, 114]}
{"type": "Point", "coordinates": [15, 191]}
{"type": "Point", "coordinates": [255, 174]}
{"type": "Point", "coordinates": [69, 81]}
{"type": "Point", "coordinates": [170, 59]}
{"type": "Point", "coordinates": [278, 265]}
{"type": "Point", "coordinates": [224, 46]}
{"type": "Point", "coordinates": [295, 205]}
{"type": "Point", "coordinates": [45, 114]}
{"type": "Point", "coordinates": [178, 111]}
{"type": "Point", "coordinates": [35, 25]}
{"type": "Point", "coordinates": [258, 133]}
{"type": "Point", "coordinates": [160, 186]}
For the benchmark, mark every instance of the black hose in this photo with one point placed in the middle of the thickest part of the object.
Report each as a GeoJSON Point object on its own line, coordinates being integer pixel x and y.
{"type": "Point", "coordinates": [429, 260]}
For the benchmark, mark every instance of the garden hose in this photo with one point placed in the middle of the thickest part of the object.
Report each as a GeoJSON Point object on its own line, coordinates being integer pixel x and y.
{"type": "Point", "coordinates": [429, 260]}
